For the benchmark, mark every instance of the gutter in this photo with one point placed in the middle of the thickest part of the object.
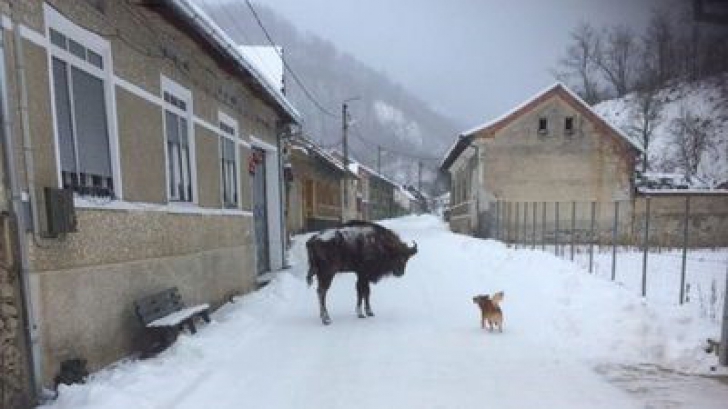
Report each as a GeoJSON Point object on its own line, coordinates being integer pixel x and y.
{"type": "Point", "coordinates": [213, 33]}
{"type": "Point", "coordinates": [17, 207]}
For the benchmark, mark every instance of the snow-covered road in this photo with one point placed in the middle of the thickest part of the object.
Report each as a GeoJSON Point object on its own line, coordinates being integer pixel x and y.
{"type": "Point", "coordinates": [424, 349]}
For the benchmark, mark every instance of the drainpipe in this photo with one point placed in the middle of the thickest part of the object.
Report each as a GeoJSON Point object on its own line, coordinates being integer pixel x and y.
{"type": "Point", "coordinates": [281, 194]}
{"type": "Point", "coordinates": [17, 206]}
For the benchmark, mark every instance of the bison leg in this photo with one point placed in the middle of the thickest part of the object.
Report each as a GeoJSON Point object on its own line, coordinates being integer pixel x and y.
{"type": "Point", "coordinates": [361, 285]}
{"type": "Point", "coordinates": [368, 306]}
{"type": "Point", "coordinates": [324, 282]}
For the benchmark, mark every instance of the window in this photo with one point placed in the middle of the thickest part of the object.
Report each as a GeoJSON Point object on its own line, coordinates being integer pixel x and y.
{"type": "Point", "coordinates": [178, 157]}
{"type": "Point", "coordinates": [229, 168]}
{"type": "Point", "coordinates": [81, 119]}
{"type": "Point", "coordinates": [569, 125]}
{"type": "Point", "coordinates": [543, 126]}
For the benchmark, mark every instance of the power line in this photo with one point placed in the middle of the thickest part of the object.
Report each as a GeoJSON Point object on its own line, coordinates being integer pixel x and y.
{"type": "Point", "coordinates": [306, 92]}
{"type": "Point", "coordinates": [374, 145]}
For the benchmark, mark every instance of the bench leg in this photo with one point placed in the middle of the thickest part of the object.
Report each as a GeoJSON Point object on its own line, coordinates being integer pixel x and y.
{"type": "Point", "coordinates": [191, 325]}
{"type": "Point", "coordinates": [206, 316]}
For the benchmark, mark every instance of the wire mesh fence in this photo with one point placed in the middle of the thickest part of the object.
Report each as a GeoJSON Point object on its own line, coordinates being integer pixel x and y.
{"type": "Point", "coordinates": [673, 248]}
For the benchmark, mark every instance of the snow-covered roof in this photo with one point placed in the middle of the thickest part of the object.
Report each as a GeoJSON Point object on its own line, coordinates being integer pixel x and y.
{"type": "Point", "coordinates": [217, 37]}
{"type": "Point", "coordinates": [541, 94]}
{"type": "Point", "coordinates": [268, 60]}
{"type": "Point", "coordinates": [307, 146]}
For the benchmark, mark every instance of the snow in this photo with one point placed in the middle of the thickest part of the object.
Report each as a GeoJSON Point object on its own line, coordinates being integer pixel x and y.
{"type": "Point", "coordinates": [570, 340]}
{"type": "Point", "coordinates": [348, 233]}
{"type": "Point", "coordinates": [178, 316]}
{"type": "Point", "coordinates": [701, 99]}
{"type": "Point", "coordinates": [268, 61]}
{"type": "Point", "coordinates": [404, 128]}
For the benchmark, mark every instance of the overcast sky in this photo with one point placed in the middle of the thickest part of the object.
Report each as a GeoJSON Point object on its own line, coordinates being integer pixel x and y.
{"type": "Point", "coordinates": [469, 59]}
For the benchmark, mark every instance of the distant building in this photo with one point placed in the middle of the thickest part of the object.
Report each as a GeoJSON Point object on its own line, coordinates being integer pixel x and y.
{"type": "Point", "coordinates": [315, 188]}
{"type": "Point", "coordinates": [551, 148]}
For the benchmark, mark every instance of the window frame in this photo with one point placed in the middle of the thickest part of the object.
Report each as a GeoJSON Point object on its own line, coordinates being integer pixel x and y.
{"type": "Point", "coordinates": [232, 123]}
{"type": "Point", "coordinates": [569, 130]}
{"type": "Point", "coordinates": [93, 44]}
{"type": "Point", "coordinates": [183, 94]}
{"type": "Point", "coordinates": [545, 129]}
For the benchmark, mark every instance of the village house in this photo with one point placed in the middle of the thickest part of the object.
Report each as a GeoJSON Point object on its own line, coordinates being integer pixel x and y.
{"type": "Point", "coordinates": [141, 152]}
{"type": "Point", "coordinates": [552, 148]}
{"type": "Point", "coordinates": [316, 187]}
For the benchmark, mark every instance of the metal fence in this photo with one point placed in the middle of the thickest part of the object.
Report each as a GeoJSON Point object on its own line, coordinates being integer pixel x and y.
{"type": "Point", "coordinates": [659, 237]}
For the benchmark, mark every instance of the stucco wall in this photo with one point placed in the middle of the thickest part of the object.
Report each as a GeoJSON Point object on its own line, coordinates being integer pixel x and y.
{"type": "Point", "coordinates": [142, 144]}
{"type": "Point", "coordinates": [707, 221]}
{"type": "Point", "coordinates": [522, 165]}
{"type": "Point", "coordinates": [85, 282]}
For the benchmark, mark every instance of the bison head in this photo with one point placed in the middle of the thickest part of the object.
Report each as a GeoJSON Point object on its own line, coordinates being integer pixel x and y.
{"type": "Point", "coordinates": [401, 258]}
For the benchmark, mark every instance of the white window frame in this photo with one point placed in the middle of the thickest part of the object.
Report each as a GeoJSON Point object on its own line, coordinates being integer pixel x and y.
{"type": "Point", "coordinates": [184, 94]}
{"type": "Point", "coordinates": [231, 122]}
{"type": "Point", "coordinates": [56, 21]}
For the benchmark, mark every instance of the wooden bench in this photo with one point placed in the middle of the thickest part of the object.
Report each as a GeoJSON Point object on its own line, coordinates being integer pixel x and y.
{"type": "Point", "coordinates": [165, 315]}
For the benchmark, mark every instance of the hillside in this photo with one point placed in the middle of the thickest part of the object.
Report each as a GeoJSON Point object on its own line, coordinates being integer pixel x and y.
{"type": "Point", "coordinates": [384, 114]}
{"type": "Point", "coordinates": [703, 106]}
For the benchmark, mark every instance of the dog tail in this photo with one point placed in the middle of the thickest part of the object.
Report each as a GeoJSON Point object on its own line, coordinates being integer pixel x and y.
{"type": "Point", "coordinates": [497, 297]}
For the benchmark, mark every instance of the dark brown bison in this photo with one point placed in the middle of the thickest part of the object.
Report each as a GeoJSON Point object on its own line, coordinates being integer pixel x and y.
{"type": "Point", "coordinates": [367, 249]}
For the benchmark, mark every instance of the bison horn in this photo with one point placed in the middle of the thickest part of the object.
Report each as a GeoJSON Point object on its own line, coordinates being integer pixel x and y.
{"type": "Point", "coordinates": [413, 249]}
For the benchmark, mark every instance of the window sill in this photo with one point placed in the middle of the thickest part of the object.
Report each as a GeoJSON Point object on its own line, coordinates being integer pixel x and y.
{"type": "Point", "coordinates": [173, 208]}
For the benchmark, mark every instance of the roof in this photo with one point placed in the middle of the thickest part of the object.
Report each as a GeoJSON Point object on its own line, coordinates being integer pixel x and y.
{"type": "Point", "coordinates": [455, 150]}
{"type": "Point", "coordinates": [311, 148]}
{"type": "Point", "coordinates": [502, 121]}
{"type": "Point", "coordinates": [268, 60]}
{"type": "Point", "coordinates": [353, 164]}
{"type": "Point", "coordinates": [206, 29]}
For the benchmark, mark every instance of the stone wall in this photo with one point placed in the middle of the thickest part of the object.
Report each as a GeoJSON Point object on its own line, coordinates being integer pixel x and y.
{"type": "Point", "coordinates": [15, 390]}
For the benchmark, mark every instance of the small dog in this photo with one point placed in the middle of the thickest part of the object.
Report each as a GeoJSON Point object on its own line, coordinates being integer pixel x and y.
{"type": "Point", "coordinates": [490, 312]}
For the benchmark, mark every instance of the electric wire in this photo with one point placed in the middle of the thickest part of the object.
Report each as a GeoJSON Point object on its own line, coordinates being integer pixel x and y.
{"type": "Point", "coordinates": [287, 66]}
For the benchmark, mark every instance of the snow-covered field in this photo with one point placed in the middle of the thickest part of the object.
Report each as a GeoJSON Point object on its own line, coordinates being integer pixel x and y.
{"type": "Point", "coordinates": [570, 340]}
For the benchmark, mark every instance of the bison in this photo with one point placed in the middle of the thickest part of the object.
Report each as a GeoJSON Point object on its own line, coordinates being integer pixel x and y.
{"type": "Point", "coordinates": [367, 249]}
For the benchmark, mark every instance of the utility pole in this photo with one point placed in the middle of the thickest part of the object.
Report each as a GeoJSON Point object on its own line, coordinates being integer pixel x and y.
{"type": "Point", "coordinates": [379, 159]}
{"type": "Point", "coordinates": [345, 145]}
{"type": "Point", "coordinates": [419, 176]}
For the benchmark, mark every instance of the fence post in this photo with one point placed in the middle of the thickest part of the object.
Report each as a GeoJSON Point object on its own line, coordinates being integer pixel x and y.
{"type": "Point", "coordinates": [543, 227]}
{"type": "Point", "coordinates": [685, 249]}
{"type": "Point", "coordinates": [591, 236]}
{"type": "Point", "coordinates": [615, 236]}
{"type": "Point", "coordinates": [525, 224]}
{"type": "Point", "coordinates": [533, 242]}
{"type": "Point", "coordinates": [516, 227]}
{"type": "Point", "coordinates": [556, 228]}
{"type": "Point", "coordinates": [645, 246]}
{"type": "Point", "coordinates": [573, 228]}
{"type": "Point", "coordinates": [723, 351]}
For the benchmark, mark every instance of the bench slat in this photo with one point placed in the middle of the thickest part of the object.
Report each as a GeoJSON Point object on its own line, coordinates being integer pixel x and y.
{"type": "Point", "coordinates": [177, 317]}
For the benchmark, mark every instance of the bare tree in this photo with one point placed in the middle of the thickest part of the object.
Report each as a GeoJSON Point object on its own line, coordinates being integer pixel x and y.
{"type": "Point", "coordinates": [579, 62]}
{"type": "Point", "coordinates": [659, 42]}
{"type": "Point", "coordinates": [693, 137]}
{"type": "Point", "coordinates": [616, 58]}
{"type": "Point", "coordinates": [646, 112]}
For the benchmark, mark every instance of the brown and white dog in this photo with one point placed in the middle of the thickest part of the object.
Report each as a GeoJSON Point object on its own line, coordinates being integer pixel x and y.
{"type": "Point", "coordinates": [490, 312]}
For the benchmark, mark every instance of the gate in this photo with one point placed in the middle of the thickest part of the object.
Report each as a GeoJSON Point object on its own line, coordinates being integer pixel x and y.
{"type": "Point", "coordinates": [15, 390]}
{"type": "Point", "coordinates": [260, 212]}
